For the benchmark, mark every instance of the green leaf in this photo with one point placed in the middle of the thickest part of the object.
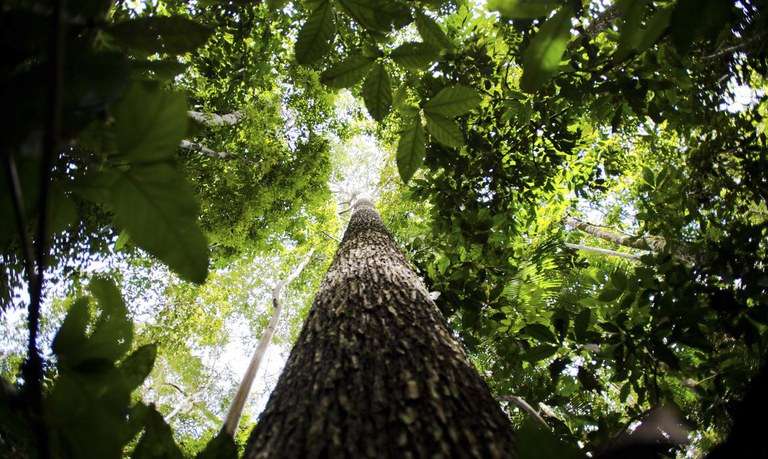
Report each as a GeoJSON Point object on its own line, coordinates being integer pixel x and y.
{"type": "Point", "coordinates": [431, 32]}
{"type": "Point", "coordinates": [631, 27]}
{"type": "Point", "coordinates": [410, 150]}
{"type": "Point", "coordinates": [537, 442]}
{"type": "Point", "coordinates": [347, 73]}
{"type": "Point", "coordinates": [453, 101]}
{"type": "Point", "coordinates": [541, 59]}
{"type": "Point", "coordinates": [588, 380]}
{"type": "Point", "coordinates": [541, 352]}
{"type": "Point", "coordinates": [222, 446]}
{"type": "Point", "coordinates": [136, 367]}
{"type": "Point", "coordinates": [540, 332]}
{"type": "Point", "coordinates": [160, 34]}
{"type": "Point", "coordinates": [581, 323]}
{"type": "Point", "coordinates": [619, 280]}
{"type": "Point", "coordinates": [149, 124]}
{"type": "Point", "coordinates": [113, 332]}
{"type": "Point", "coordinates": [444, 130]}
{"type": "Point", "coordinates": [377, 16]}
{"type": "Point", "coordinates": [70, 339]}
{"type": "Point", "coordinates": [609, 294]}
{"type": "Point", "coordinates": [377, 92]}
{"type": "Point", "coordinates": [414, 55]}
{"type": "Point", "coordinates": [159, 211]}
{"type": "Point", "coordinates": [657, 25]}
{"type": "Point", "coordinates": [523, 9]}
{"type": "Point", "coordinates": [316, 35]}
{"type": "Point", "coordinates": [157, 441]}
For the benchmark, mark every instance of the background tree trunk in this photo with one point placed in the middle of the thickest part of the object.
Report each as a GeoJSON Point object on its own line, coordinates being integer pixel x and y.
{"type": "Point", "coordinates": [236, 409]}
{"type": "Point", "coordinates": [376, 372]}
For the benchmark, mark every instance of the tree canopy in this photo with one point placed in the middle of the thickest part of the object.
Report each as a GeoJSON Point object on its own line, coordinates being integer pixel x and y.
{"type": "Point", "coordinates": [582, 185]}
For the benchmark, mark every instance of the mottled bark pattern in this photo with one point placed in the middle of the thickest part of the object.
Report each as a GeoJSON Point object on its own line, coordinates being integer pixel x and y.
{"type": "Point", "coordinates": [376, 372]}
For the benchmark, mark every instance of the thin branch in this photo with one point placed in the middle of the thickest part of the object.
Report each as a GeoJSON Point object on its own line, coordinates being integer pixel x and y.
{"type": "Point", "coordinates": [330, 236]}
{"type": "Point", "coordinates": [523, 405]}
{"type": "Point", "coordinates": [33, 368]}
{"type": "Point", "coordinates": [731, 49]}
{"type": "Point", "coordinates": [238, 403]}
{"type": "Point", "coordinates": [21, 217]}
{"type": "Point", "coordinates": [200, 148]}
{"type": "Point", "coordinates": [603, 251]}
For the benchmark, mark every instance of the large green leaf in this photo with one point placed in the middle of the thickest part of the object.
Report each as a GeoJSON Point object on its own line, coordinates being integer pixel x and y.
{"type": "Point", "coordinates": [523, 9]}
{"type": "Point", "coordinates": [414, 55]}
{"type": "Point", "coordinates": [160, 34]}
{"type": "Point", "coordinates": [149, 124]}
{"type": "Point", "coordinates": [113, 332]}
{"type": "Point", "coordinates": [71, 339]}
{"type": "Point", "coordinates": [540, 332]}
{"type": "Point", "coordinates": [537, 442]}
{"type": "Point", "coordinates": [410, 150]}
{"type": "Point", "coordinates": [377, 92]}
{"type": "Point", "coordinates": [431, 32]}
{"type": "Point", "coordinates": [222, 446]}
{"type": "Point", "coordinates": [159, 211]}
{"type": "Point", "coordinates": [157, 441]}
{"type": "Point", "coordinates": [541, 59]}
{"type": "Point", "coordinates": [377, 16]}
{"type": "Point", "coordinates": [540, 352]}
{"type": "Point", "coordinates": [444, 130]}
{"type": "Point", "coordinates": [136, 367]}
{"type": "Point", "coordinates": [348, 72]}
{"type": "Point", "coordinates": [453, 101]}
{"type": "Point", "coordinates": [316, 35]}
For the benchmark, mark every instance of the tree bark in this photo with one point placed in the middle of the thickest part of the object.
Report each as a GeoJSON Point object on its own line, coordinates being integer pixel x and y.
{"type": "Point", "coordinates": [376, 371]}
{"type": "Point", "coordinates": [236, 410]}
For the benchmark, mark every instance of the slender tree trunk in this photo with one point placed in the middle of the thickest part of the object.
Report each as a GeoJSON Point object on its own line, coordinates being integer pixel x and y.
{"type": "Point", "coordinates": [376, 371]}
{"type": "Point", "coordinates": [236, 410]}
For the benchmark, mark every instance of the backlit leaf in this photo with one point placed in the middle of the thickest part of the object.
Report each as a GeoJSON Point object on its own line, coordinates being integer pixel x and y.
{"type": "Point", "coordinates": [541, 59]}
{"type": "Point", "coordinates": [159, 211]}
{"type": "Point", "coordinates": [377, 92]}
{"type": "Point", "coordinates": [523, 9]}
{"type": "Point", "coordinates": [410, 150]}
{"type": "Point", "coordinates": [347, 73]}
{"type": "Point", "coordinates": [414, 56]}
{"type": "Point", "coordinates": [453, 101]}
{"type": "Point", "coordinates": [316, 35]}
{"type": "Point", "coordinates": [444, 130]}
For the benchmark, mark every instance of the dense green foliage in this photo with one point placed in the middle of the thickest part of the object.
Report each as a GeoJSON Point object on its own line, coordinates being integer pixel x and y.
{"type": "Point", "coordinates": [584, 182]}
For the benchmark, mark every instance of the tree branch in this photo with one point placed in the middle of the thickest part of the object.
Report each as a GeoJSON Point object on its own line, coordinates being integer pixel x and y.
{"type": "Point", "coordinates": [603, 251]}
{"type": "Point", "coordinates": [200, 148]}
{"type": "Point", "coordinates": [523, 405]}
{"type": "Point", "coordinates": [238, 403]}
{"type": "Point", "coordinates": [215, 120]}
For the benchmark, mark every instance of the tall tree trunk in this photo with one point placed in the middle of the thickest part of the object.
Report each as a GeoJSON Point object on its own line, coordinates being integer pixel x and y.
{"type": "Point", "coordinates": [236, 410]}
{"type": "Point", "coordinates": [376, 371]}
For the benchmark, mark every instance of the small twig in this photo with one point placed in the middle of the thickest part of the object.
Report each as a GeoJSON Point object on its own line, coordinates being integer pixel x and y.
{"type": "Point", "coordinates": [733, 48]}
{"type": "Point", "coordinates": [523, 405]}
{"type": "Point", "coordinates": [330, 236]}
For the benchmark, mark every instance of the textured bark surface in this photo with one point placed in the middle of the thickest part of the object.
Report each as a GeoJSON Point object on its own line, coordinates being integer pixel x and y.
{"type": "Point", "coordinates": [376, 372]}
